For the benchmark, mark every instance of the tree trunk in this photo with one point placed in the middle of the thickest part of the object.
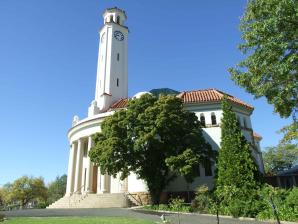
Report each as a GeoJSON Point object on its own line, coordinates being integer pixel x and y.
{"type": "Point", "coordinates": [155, 197]}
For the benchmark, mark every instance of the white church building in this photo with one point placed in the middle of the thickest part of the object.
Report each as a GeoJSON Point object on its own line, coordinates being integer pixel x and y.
{"type": "Point", "coordinates": [86, 186]}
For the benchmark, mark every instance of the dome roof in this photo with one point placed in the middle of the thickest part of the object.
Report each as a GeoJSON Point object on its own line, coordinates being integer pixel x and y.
{"type": "Point", "coordinates": [139, 94]}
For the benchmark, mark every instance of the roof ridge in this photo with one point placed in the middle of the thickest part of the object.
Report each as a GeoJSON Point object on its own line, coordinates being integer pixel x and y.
{"type": "Point", "coordinates": [197, 90]}
{"type": "Point", "coordinates": [211, 94]}
{"type": "Point", "coordinates": [181, 94]}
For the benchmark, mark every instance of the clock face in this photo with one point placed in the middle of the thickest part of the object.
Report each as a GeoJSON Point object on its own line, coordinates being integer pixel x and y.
{"type": "Point", "coordinates": [118, 35]}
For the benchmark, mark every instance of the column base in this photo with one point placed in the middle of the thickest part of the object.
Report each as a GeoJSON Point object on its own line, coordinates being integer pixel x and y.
{"type": "Point", "coordinates": [102, 192]}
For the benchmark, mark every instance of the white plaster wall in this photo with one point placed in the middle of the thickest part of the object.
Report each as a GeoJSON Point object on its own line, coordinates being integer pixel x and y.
{"type": "Point", "coordinates": [87, 127]}
{"type": "Point", "coordinates": [116, 184]}
{"type": "Point", "coordinates": [213, 136]}
{"type": "Point", "coordinates": [135, 184]}
{"type": "Point", "coordinates": [179, 184]}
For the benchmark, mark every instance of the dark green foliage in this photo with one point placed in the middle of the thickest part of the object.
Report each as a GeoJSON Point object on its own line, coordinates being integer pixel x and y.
{"type": "Point", "coordinates": [280, 158]}
{"type": "Point", "coordinates": [285, 201]}
{"type": "Point", "coordinates": [236, 182]}
{"type": "Point", "coordinates": [154, 138]}
{"type": "Point", "coordinates": [270, 34]}
{"type": "Point", "coordinates": [57, 189]}
{"type": "Point", "coordinates": [163, 91]}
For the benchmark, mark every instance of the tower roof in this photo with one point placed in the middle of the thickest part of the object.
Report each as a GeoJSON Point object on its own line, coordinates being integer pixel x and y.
{"type": "Point", "coordinates": [115, 9]}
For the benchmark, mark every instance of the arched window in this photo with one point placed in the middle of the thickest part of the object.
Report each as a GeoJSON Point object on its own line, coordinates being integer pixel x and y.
{"type": "Point", "coordinates": [111, 19]}
{"type": "Point", "coordinates": [213, 119]}
{"type": "Point", "coordinates": [118, 19]}
{"type": "Point", "coordinates": [202, 120]}
{"type": "Point", "coordinates": [117, 82]}
{"type": "Point", "coordinates": [118, 57]}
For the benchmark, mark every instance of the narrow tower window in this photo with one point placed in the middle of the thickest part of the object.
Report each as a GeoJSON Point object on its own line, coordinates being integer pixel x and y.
{"type": "Point", "coordinates": [111, 19]}
{"type": "Point", "coordinates": [118, 57]}
{"type": "Point", "coordinates": [213, 119]}
{"type": "Point", "coordinates": [202, 120]}
{"type": "Point", "coordinates": [117, 82]}
{"type": "Point", "coordinates": [118, 19]}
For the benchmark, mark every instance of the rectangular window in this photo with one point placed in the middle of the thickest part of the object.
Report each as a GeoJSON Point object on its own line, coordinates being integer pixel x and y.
{"type": "Point", "coordinates": [117, 82]}
{"type": "Point", "coordinates": [118, 57]}
{"type": "Point", "coordinates": [208, 167]}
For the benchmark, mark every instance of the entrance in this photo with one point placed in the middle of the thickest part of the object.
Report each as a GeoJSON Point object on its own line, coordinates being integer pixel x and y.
{"type": "Point", "coordinates": [94, 180]}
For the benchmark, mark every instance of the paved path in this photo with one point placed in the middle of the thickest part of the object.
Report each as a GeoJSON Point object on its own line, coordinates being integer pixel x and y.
{"type": "Point", "coordinates": [185, 219]}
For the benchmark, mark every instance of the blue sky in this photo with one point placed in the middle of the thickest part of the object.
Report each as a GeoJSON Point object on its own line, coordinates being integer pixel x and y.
{"type": "Point", "coordinates": [48, 60]}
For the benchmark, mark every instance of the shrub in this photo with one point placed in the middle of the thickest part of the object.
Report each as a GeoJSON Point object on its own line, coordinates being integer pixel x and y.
{"type": "Point", "coordinates": [176, 204]}
{"type": "Point", "coordinates": [285, 201]}
{"type": "Point", "coordinates": [42, 205]}
{"type": "Point", "coordinates": [292, 198]}
{"type": "Point", "coordinates": [1, 217]}
{"type": "Point", "coordinates": [203, 200]}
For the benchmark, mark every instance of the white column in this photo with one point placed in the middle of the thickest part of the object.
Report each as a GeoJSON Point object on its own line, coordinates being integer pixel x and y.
{"type": "Point", "coordinates": [124, 185]}
{"type": "Point", "coordinates": [71, 169]}
{"type": "Point", "coordinates": [89, 168]}
{"type": "Point", "coordinates": [98, 191]}
{"type": "Point", "coordinates": [103, 183]}
{"type": "Point", "coordinates": [78, 173]}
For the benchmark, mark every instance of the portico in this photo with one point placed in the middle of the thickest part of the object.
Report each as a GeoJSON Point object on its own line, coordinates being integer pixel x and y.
{"type": "Point", "coordinates": [83, 175]}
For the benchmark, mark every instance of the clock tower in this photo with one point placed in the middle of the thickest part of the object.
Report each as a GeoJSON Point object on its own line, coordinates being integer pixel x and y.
{"type": "Point", "coordinates": [111, 81]}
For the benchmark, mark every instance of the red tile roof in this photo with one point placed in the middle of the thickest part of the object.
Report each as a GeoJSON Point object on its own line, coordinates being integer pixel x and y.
{"type": "Point", "coordinates": [209, 95]}
{"type": "Point", "coordinates": [195, 96]}
{"type": "Point", "coordinates": [122, 103]}
{"type": "Point", "coordinates": [257, 136]}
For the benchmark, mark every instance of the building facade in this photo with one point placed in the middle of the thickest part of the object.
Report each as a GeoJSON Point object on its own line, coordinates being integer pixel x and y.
{"type": "Point", "coordinates": [111, 94]}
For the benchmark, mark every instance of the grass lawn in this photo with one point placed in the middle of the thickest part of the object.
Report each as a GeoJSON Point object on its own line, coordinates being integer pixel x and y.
{"type": "Point", "coordinates": [77, 220]}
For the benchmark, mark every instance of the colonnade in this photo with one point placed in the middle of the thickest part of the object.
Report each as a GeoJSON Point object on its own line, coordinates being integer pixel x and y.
{"type": "Point", "coordinates": [83, 176]}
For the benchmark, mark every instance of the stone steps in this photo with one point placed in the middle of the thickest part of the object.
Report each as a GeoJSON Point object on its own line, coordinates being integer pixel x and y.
{"type": "Point", "coordinates": [115, 200]}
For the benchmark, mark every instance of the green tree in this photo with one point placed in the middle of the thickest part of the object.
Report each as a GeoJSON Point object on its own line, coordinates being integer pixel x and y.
{"type": "Point", "coordinates": [270, 34]}
{"type": "Point", "coordinates": [3, 196]}
{"type": "Point", "coordinates": [57, 189]}
{"type": "Point", "coordinates": [27, 188]}
{"type": "Point", "coordinates": [236, 181]}
{"type": "Point", "coordinates": [155, 138]}
{"type": "Point", "coordinates": [279, 158]}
